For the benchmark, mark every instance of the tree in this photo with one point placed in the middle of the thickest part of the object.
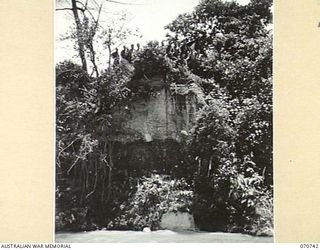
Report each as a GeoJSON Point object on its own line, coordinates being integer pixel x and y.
{"type": "Point", "coordinates": [115, 33]}
{"type": "Point", "coordinates": [79, 34]}
{"type": "Point", "coordinates": [84, 154]}
{"type": "Point", "coordinates": [232, 138]}
{"type": "Point", "coordinates": [86, 15]}
{"type": "Point", "coordinates": [86, 28]}
{"type": "Point", "coordinates": [231, 44]}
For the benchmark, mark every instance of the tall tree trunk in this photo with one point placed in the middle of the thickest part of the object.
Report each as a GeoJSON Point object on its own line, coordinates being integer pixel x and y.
{"type": "Point", "coordinates": [79, 35]}
{"type": "Point", "coordinates": [93, 59]}
{"type": "Point", "coordinates": [109, 58]}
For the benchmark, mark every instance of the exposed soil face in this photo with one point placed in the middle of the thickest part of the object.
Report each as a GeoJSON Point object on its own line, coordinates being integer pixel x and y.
{"type": "Point", "coordinates": [160, 115]}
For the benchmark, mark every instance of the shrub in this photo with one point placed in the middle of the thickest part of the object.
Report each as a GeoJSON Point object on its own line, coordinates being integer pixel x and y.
{"type": "Point", "coordinates": [232, 144]}
{"type": "Point", "coordinates": [262, 225]}
{"type": "Point", "coordinates": [153, 197]}
{"type": "Point", "coordinates": [74, 219]}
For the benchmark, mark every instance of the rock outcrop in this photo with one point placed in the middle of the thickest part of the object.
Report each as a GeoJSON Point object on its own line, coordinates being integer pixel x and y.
{"type": "Point", "coordinates": [177, 221]}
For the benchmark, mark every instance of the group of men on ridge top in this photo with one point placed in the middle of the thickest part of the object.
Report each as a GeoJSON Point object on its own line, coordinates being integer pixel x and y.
{"type": "Point", "coordinates": [179, 52]}
{"type": "Point", "coordinates": [126, 53]}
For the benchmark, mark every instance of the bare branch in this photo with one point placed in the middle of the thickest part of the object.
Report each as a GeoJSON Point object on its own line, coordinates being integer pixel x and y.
{"type": "Point", "coordinates": [95, 3]}
{"type": "Point", "coordinates": [70, 9]}
{"type": "Point", "coordinates": [64, 9]}
{"type": "Point", "coordinates": [99, 12]}
{"type": "Point", "coordinates": [97, 21]}
{"type": "Point", "coordinates": [95, 183]}
{"type": "Point", "coordinates": [84, 5]}
{"type": "Point", "coordinates": [70, 144]}
{"type": "Point", "coordinates": [86, 9]}
{"type": "Point", "coordinates": [113, 1]}
{"type": "Point", "coordinates": [73, 164]}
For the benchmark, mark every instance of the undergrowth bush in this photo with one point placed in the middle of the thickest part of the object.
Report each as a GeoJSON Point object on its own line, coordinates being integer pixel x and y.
{"type": "Point", "coordinates": [74, 219]}
{"type": "Point", "coordinates": [154, 196]}
{"type": "Point", "coordinates": [262, 225]}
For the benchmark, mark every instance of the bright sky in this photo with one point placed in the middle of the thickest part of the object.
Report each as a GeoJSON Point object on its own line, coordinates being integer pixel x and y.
{"type": "Point", "coordinates": [150, 16]}
{"type": "Point", "coordinates": [153, 16]}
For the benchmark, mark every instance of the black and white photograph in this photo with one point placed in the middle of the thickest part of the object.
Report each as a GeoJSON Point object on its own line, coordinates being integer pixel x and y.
{"type": "Point", "coordinates": [164, 121]}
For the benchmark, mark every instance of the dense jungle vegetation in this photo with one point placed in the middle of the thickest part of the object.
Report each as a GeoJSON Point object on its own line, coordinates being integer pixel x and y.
{"type": "Point", "coordinates": [222, 173]}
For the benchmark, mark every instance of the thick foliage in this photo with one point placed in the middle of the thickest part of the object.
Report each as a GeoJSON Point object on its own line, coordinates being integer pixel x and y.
{"type": "Point", "coordinates": [153, 197]}
{"type": "Point", "coordinates": [84, 152]}
{"type": "Point", "coordinates": [229, 155]}
{"type": "Point", "coordinates": [232, 139]}
{"type": "Point", "coordinates": [231, 44]}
